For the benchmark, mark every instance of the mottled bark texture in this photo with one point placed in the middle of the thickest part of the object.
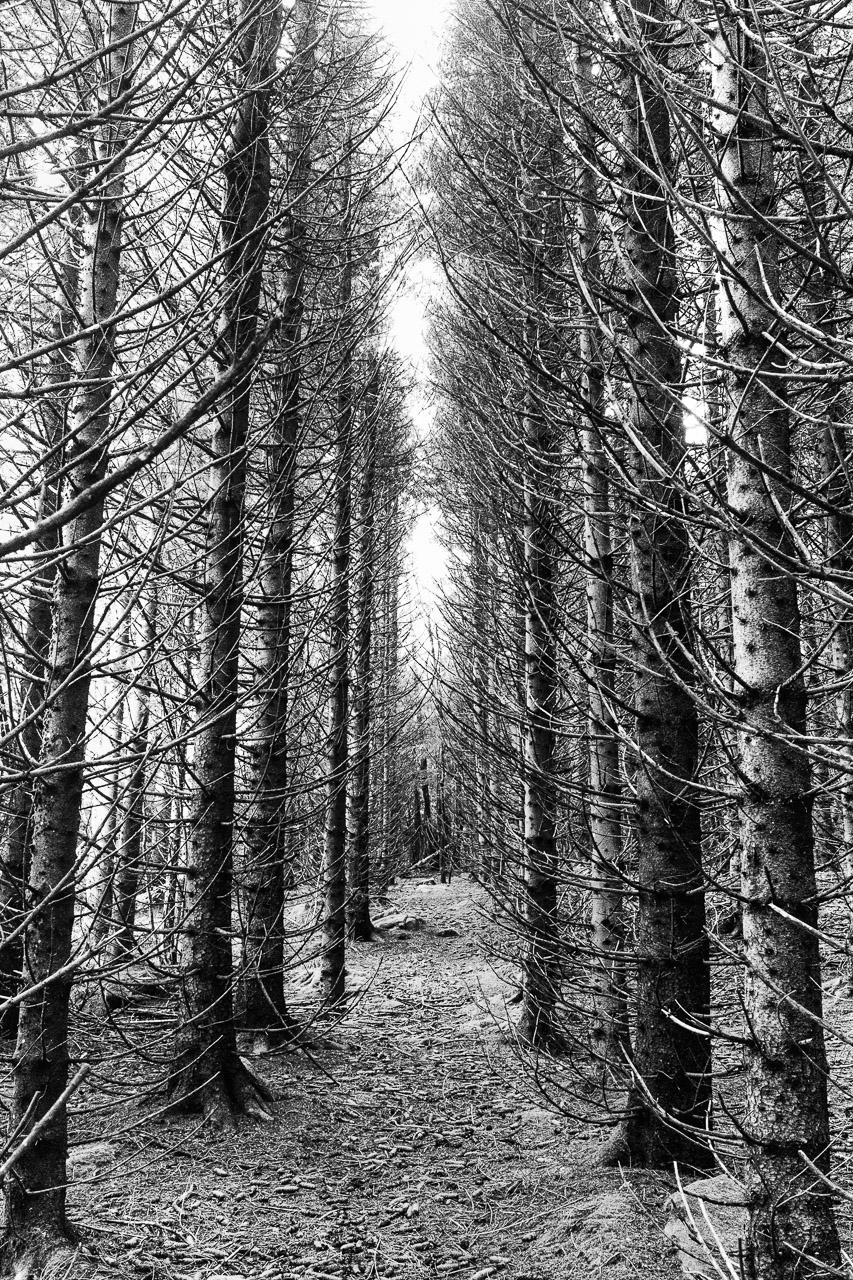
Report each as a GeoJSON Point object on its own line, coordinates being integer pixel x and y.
{"type": "Point", "coordinates": [358, 922]}
{"type": "Point", "coordinates": [792, 1230]}
{"type": "Point", "coordinates": [670, 1094]}
{"type": "Point", "coordinates": [207, 1073]}
{"type": "Point", "coordinates": [35, 1191]}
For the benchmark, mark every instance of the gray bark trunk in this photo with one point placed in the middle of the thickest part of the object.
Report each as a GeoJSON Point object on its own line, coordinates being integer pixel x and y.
{"type": "Point", "coordinates": [670, 1100]}
{"type": "Point", "coordinates": [792, 1230]}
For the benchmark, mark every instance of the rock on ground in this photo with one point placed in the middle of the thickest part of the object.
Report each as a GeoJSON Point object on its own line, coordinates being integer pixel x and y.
{"type": "Point", "coordinates": [707, 1224]}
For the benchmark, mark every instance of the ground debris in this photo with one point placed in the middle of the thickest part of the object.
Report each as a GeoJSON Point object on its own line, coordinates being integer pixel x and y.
{"type": "Point", "coordinates": [411, 1146]}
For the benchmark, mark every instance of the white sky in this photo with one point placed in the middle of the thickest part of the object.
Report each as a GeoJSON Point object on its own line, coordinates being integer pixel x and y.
{"type": "Point", "coordinates": [414, 30]}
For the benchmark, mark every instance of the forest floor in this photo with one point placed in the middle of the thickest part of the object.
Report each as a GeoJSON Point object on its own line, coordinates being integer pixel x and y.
{"type": "Point", "coordinates": [414, 1144]}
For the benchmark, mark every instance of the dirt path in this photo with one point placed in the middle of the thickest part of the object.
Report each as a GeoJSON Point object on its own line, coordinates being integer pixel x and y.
{"type": "Point", "coordinates": [416, 1147]}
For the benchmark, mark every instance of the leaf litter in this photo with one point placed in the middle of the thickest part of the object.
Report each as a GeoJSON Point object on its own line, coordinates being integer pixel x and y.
{"type": "Point", "coordinates": [412, 1145]}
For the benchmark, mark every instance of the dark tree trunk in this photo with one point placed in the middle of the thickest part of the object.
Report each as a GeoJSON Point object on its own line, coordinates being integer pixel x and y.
{"type": "Point", "coordinates": [359, 926]}
{"type": "Point", "coordinates": [35, 1193]}
{"type": "Point", "coordinates": [266, 863]}
{"type": "Point", "coordinates": [129, 854]}
{"type": "Point", "coordinates": [332, 971]}
{"type": "Point", "coordinates": [207, 1072]}
{"type": "Point", "coordinates": [37, 635]}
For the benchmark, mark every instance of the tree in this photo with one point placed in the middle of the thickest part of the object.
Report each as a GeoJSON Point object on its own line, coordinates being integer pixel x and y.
{"type": "Point", "coordinates": [792, 1230]}
{"type": "Point", "coordinates": [207, 1072]}
{"type": "Point", "coordinates": [35, 1196]}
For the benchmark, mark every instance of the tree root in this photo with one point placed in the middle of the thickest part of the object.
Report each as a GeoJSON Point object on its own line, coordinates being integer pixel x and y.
{"type": "Point", "coordinates": [615, 1151]}
{"type": "Point", "coordinates": [42, 1256]}
{"type": "Point", "coordinates": [232, 1090]}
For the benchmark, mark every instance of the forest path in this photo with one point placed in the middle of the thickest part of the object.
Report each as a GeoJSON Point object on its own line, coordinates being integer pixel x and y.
{"type": "Point", "coordinates": [415, 1146]}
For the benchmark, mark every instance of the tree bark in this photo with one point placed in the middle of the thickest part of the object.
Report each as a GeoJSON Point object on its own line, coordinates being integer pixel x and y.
{"type": "Point", "coordinates": [670, 1098]}
{"type": "Point", "coordinates": [266, 867]}
{"type": "Point", "coordinates": [332, 970]}
{"type": "Point", "coordinates": [37, 634]}
{"type": "Point", "coordinates": [541, 958]}
{"type": "Point", "coordinates": [129, 853]}
{"type": "Point", "coordinates": [358, 922]}
{"type": "Point", "coordinates": [792, 1230]}
{"type": "Point", "coordinates": [207, 1072]}
{"type": "Point", "coordinates": [35, 1194]}
{"type": "Point", "coordinates": [609, 1032]}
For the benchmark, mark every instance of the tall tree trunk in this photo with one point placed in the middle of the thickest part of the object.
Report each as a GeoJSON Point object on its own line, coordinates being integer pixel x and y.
{"type": "Point", "coordinates": [129, 853]}
{"type": "Point", "coordinates": [266, 856]}
{"type": "Point", "coordinates": [427, 843]}
{"type": "Point", "coordinates": [609, 997]}
{"type": "Point", "coordinates": [35, 1192]}
{"type": "Point", "coordinates": [481, 683]}
{"type": "Point", "coordinates": [389, 685]}
{"type": "Point", "coordinates": [102, 898]}
{"type": "Point", "coordinates": [207, 1072]}
{"type": "Point", "coordinates": [792, 1230]}
{"type": "Point", "coordinates": [359, 926]}
{"type": "Point", "coordinates": [173, 902]}
{"type": "Point", "coordinates": [670, 1097]}
{"type": "Point", "coordinates": [36, 638]}
{"type": "Point", "coordinates": [332, 971]}
{"type": "Point", "coordinates": [541, 954]}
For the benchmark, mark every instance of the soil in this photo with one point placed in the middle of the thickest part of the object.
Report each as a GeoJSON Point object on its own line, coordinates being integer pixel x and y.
{"type": "Point", "coordinates": [411, 1141]}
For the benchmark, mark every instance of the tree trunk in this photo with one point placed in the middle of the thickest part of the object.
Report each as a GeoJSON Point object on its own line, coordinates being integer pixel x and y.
{"type": "Point", "coordinates": [102, 898]}
{"type": "Point", "coordinates": [35, 1193]}
{"type": "Point", "coordinates": [332, 972]}
{"type": "Point", "coordinates": [541, 942]}
{"type": "Point", "coordinates": [207, 1073]}
{"type": "Point", "coordinates": [609, 997]}
{"type": "Point", "coordinates": [670, 1097]}
{"type": "Point", "coordinates": [792, 1229]}
{"type": "Point", "coordinates": [266, 855]}
{"type": "Point", "coordinates": [359, 926]}
{"type": "Point", "coordinates": [129, 853]}
{"type": "Point", "coordinates": [38, 628]}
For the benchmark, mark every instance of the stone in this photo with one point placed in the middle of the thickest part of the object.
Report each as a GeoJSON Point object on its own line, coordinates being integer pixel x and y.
{"type": "Point", "coordinates": [389, 922]}
{"type": "Point", "coordinates": [708, 1225]}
